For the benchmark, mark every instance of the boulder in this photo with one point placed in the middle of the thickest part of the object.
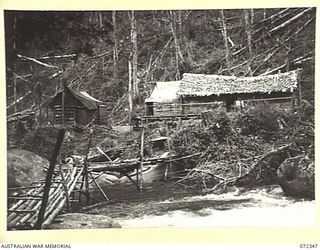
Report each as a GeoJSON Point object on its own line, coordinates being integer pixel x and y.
{"type": "Point", "coordinates": [296, 177]}
{"type": "Point", "coordinates": [24, 167]}
{"type": "Point", "coordinates": [82, 221]}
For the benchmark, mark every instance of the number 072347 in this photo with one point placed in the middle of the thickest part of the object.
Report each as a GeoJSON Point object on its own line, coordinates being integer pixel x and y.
{"type": "Point", "coordinates": [309, 246]}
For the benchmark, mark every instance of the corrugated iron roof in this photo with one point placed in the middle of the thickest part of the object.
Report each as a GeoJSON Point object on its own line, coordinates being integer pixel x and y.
{"type": "Point", "coordinates": [164, 92]}
{"type": "Point", "coordinates": [205, 85]}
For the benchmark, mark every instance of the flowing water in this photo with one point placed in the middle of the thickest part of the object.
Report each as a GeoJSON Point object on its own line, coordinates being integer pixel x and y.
{"type": "Point", "coordinates": [164, 205]}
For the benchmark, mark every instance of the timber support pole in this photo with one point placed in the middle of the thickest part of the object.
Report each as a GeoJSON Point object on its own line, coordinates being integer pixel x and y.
{"type": "Point", "coordinates": [86, 172]}
{"type": "Point", "coordinates": [49, 179]}
{"type": "Point", "coordinates": [140, 172]}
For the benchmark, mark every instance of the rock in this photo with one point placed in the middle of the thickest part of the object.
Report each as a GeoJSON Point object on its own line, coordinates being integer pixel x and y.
{"type": "Point", "coordinates": [107, 179]}
{"type": "Point", "coordinates": [296, 177]}
{"type": "Point", "coordinates": [82, 221]}
{"type": "Point", "coordinates": [264, 172]}
{"type": "Point", "coordinates": [24, 167]}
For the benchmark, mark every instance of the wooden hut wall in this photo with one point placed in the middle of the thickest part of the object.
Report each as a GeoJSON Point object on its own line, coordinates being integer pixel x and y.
{"type": "Point", "coordinates": [75, 111]}
{"type": "Point", "coordinates": [285, 100]}
{"type": "Point", "coordinates": [69, 115]}
{"type": "Point", "coordinates": [164, 109]}
{"type": "Point", "coordinates": [196, 104]}
{"type": "Point", "coordinates": [103, 114]}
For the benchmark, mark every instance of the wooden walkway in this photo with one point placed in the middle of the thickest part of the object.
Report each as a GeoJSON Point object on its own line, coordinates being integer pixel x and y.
{"type": "Point", "coordinates": [23, 214]}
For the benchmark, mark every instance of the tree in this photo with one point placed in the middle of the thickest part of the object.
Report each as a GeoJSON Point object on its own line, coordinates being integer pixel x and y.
{"type": "Point", "coordinates": [134, 55]}
{"type": "Point", "coordinates": [225, 38]}
{"type": "Point", "coordinates": [115, 47]}
{"type": "Point", "coordinates": [248, 32]}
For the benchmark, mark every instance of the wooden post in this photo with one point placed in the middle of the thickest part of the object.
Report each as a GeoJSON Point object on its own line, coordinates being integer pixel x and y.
{"type": "Point", "coordinates": [99, 187]}
{"type": "Point", "coordinates": [140, 172]}
{"type": "Point", "coordinates": [299, 87]}
{"type": "Point", "coordinates": [49, 179]}
{"type": "Point", "coordinates": [65, 188]}
{"type": "Point", "coordinates": [85, 169]}
{"type": "Point", "coordinates": [63, 105]}
{"type": "Point", "coordinates": [168, 167]}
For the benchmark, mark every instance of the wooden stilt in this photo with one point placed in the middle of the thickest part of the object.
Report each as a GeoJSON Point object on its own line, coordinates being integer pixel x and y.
{"type": "Point", "coordinates": [49, 179]}
{"type": "Point", "coordinates": [168, 165]}
{"type": "Point", "coordinates": [85, 170]}
{"type": "Point", "coordinates": [140, 173]}
{"type": "Point", "coordinates": [299, 87]}
{"type": "Point", "coordinates": [132, 181]}
{"type": "Point", "coordinates": [99, 187]}
{"type": "Point", "coordinates": [65, 188]}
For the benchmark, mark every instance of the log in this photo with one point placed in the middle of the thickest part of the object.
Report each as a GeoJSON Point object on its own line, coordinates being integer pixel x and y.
{"type": "Point", "coordinates": [58, 195]}
{"type": "Point", "coordinates": [21, 211]}
{"type": "Point", "coordinates": [19, 99]}
{"type": "Point", "coordinates": [101, 151]}
{"type": "Point", "coordinates": [37, 61]}
{"type": "Point", "coordinates": [58, 209]}
{"type": "Point", "coordinates": [290, 20]}
{"type": "Point", "coordinates": [57, 57]}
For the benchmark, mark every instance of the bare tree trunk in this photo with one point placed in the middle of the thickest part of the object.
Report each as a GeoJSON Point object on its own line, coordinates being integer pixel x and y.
{"type": "Point", "coordinates": [264, 14]}
{"type": "Point", "coordinates": [130, 90]}
{"type": "Point", "coordinates": [180, 24]}
{"type": "Point", "coordinates": [14, 70]}
{"type": "Point", "coordinates": [100, 19]}
{"type": "Point", "coordinates": [15, 91]}
{"type": "Point", "coordinates": [252, 16]}
{"type": "Point", "coordinates": [134, 55]}
{"type": "Point", "coordinates": [115, 46]}
{"type": "Point", "coordinates": [225, 38]}
{"type": "Point", "coordinates": [249, 36]}
{"type": "Point", "coordinates": [178, 54]}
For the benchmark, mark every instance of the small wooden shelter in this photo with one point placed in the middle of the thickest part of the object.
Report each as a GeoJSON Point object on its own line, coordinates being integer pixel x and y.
{"type": "Point", "coordinates": [70, 107]}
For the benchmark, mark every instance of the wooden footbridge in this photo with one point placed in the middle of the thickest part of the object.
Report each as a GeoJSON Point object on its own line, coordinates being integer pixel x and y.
{"type": "Point", "coordinates": [25, 211]}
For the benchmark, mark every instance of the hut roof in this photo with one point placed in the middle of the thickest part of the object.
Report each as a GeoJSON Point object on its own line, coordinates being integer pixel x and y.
{"type": "Point", "coordinates": [205, 85]}
{"type": "Point", "coordinates": [83, 97]}
{"type": "Point", "coordinates": [86, 99]}
{"type": "Point", "coordinates": [164, 92]}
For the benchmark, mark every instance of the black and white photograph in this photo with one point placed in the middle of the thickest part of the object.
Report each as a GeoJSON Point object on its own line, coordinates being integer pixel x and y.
{"type": "Point", "coordinates": [193, 118]}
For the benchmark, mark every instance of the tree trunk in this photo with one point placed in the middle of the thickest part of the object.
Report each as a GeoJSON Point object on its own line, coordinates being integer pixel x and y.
{"type": "Point", "coordinates": [130, 90]}
{"type": "Point", "coordinates": [115, 47]}
{"type": "Point", "coordinates": [178, 54]}
{"type": "Point", "coordinates": [14, 69]}
{"type": "Point", "coordinates": [225, 38]}
{"type": "Point", "coordinates": [134, 55]}
{"type": "Point", "coordinates": [264, 14]}
{"type": "Point", "coordinates": [252, 16]}
{"type": "Point", "coordinates": [100, 19]}
{"type": "Point", "coordinates": [249, 36]}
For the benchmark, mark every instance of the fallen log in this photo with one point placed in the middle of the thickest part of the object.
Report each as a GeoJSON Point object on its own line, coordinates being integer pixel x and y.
{"type": "Point", "coordinates": [281, 26]}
